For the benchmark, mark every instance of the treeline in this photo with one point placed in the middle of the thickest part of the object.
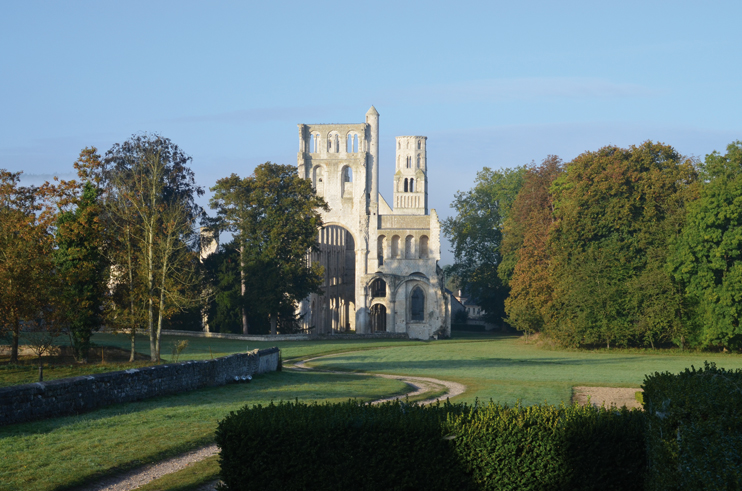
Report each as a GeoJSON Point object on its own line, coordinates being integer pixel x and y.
{"type": "Point", "coordinates": [121, 246]}
{"type": "Point", "coordinates": [635, 246]}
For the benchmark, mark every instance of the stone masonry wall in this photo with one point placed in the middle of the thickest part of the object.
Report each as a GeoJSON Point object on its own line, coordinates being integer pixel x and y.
{"type": "Point", "coordinates": [80, 394]}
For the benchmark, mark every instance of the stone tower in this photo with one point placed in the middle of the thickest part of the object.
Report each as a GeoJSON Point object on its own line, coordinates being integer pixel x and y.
{"type": "Point", "coordinates": [411, 176]}
{"type": "Point", "coordinates": [381, 272]}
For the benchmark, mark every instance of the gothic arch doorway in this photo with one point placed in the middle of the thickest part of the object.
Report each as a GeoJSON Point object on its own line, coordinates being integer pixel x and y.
{"type": "Point", "coordinates": [378, 318]}
{"type": "Point", "coordinates": [335, 307]}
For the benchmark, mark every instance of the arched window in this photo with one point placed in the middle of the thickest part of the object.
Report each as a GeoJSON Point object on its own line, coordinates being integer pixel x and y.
{"type": "Point", "coordinates": [312, 144]}
{"type": "Point", "coordinates": [381, 248]}
{"type": "Point", "coordinates": [378, 288]}
{"type": "Point", "coordinates": [399, 145]}
{"type": "Point", "coordinates": [355, 144]}
{"type": "Point", "coordinates": [424, 247]}
{"type": "Point", "coordinates": [337, 143]}
{"type": "Point", "coordinates": [417, 305]}
{"type": "Point", "coordinates": [409, 247]}
{"type": "Point", "coordinates": [418, 160]}
{"type": "Point", "coordinates": [329, 143]}
{"type": "Point", "coordinates": [318, 175]}
{"type": "Point", "coordinates": [395, 246]}
{"type": "Point", "coordinates": [409, 162]}
{"type": "Point", "coordinates": [419, 143]}
{"type": "Point", "coordinates": [412, 185]}
{"type": "Point", "coordinates": [405, 184]}
{"type": "Point", "coordinates": [349, 143]}
{"type": "Point", "coordinates": [347, 182]}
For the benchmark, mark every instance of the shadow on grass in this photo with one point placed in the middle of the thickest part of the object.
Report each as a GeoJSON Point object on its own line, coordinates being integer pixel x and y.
{"type": "Point", "coordinates": [476, 363]}
{"type": "Point", "coordinates": [276, 386]}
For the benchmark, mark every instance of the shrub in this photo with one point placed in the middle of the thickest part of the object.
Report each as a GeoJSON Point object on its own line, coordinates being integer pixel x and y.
{"type": "Point", "coordinates": [450, 446]}
{"type": "Point", "coordinates": [551, 447]}
{"type": "Point", "coordinates": [347, 446]}
{"type": "Point", "coordinates": [694, 429]}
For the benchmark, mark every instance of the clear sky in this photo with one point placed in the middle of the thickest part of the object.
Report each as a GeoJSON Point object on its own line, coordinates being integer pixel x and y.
{"type": "Point", "coordinates": [495, 84]}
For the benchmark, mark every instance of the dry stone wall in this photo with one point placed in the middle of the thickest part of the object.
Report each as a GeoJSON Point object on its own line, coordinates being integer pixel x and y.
{"type": "Point", "coordinates": [63, 397]}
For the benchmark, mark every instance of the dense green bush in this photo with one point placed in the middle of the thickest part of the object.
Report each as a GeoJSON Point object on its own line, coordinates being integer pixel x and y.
{"type": "Point", "coordinates": [451, 446]}
{"type": "Point", "coordinates": [694, 429]}
{"type": "Point", "coordinates": [551, 447]}
{"type": "Point", "coordinates": [348, 446]}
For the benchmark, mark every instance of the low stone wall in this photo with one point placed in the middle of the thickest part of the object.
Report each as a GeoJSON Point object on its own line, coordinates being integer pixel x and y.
{"type": "Point", "coordinates": [80, 394]}
{"type": "Point", "coordinates": [286, 337]}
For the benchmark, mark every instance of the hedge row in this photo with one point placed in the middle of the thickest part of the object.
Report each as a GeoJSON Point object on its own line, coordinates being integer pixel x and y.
{"type": "Point", "coordinates": [694, 429]}
{"type": "Point", "coordinates": [451, 446]}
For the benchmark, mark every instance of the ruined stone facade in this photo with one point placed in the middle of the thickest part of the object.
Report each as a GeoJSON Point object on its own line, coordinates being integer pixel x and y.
{"type": "Point", "coordinates": [381, 263]}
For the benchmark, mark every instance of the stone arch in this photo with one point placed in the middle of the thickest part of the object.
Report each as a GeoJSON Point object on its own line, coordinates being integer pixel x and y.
{"type": "Point", "coordinates": [409, 247]}
{"type": "Point", "coordinates": [318, 180]}
{"type": "Point", "coordinates": [377, 318]}
{"type": "Point", "coordinates": [417, 304]}
{"type": "Point", "coordinates": [424, 253]}
{"type": "Point", "coordinates": [346, 182]}
{"type": "Point", "coordinates": [395, 246]}
{"type": "Point", "coordinates": [335, 307]}
{"type": "Point", "coordinates": [381, 248]}
{"type": "Point", "coordinates": [378, 288]}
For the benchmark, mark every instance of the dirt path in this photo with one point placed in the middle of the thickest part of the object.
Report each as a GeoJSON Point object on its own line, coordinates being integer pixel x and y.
{"type": "Point", "coordinates": [421, 385]}
{"type": "Point", "coordinates": [143, 475]}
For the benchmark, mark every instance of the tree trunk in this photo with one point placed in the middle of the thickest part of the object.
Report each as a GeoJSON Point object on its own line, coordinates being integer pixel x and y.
{"type": "Point", "coordinates": [14, 346]}
{"type": "Point", "coordinates": [150, 290]}
{"type": "Point", "coordinates": [274, 324]}
{"type": "Point", "coordinates": [162, 298]}
{"type": "Point", "coordinates": [242, 290]}
{"type": "Point", "coordinates": [133, 331]}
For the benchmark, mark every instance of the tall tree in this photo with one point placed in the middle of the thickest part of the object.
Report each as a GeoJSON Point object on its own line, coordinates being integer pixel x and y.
{"type": "Point", "coordinates": [707, 256]}
{"type": "Point", "coordinates": [80, 256]}
{"type": "Point", "coordinates": [616, 210]}
{"type": "Point", "coordinates": [526, 260]}
{"type": "Point", "coordinates": [152, 205]}
{"type": "Point", "coordinates": [26, 244]}
{"type": "Point", "coordinates": [476, 236]}
{"type": "Point", "coordinates": [274, 215]}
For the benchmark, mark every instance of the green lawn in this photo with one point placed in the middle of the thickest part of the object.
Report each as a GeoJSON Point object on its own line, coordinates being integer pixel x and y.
{"type": "Point", "coordinates": [64, 452]}
{"type": "Point", "coordinates": [505, 369]}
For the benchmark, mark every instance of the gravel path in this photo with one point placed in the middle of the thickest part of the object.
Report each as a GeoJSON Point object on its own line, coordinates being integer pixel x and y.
{"type": "Point", "coordinates": [143, 475]}
{"type": "Point", "coordinates": [422, 385]}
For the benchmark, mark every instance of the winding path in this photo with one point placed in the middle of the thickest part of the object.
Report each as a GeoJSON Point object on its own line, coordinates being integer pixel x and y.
{"type": "Point", "coordinates": [143, 475]}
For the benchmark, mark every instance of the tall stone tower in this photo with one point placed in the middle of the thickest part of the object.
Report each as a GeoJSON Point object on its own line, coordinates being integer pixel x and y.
{"type": "Point", "coordinates": [411, 176]}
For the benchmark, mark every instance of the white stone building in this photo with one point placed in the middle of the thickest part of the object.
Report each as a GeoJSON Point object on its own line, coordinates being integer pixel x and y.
{"type": "Point", "coordinates": [381, 263]}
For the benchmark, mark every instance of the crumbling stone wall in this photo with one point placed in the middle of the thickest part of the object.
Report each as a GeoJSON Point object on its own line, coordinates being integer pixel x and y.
{"type": "Point", "coordinates": [80, 394]}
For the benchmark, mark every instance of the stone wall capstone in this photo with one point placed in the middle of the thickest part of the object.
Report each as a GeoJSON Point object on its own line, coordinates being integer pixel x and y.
{"type": "Point", "coordinates": [75, 395]}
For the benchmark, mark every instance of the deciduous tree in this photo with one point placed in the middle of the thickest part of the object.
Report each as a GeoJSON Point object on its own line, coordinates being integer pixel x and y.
{"type": "Point", "coordinates": [274, 215]}
{"type": "Point", "coordinates": [476, 236]}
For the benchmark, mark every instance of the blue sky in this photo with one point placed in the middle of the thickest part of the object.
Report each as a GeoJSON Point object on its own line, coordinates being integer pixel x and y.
{"type": "Point", "coordinates": [495, 84]}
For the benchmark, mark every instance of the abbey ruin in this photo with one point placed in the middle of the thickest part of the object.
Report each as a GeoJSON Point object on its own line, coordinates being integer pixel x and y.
{"type": "Point", "coordinates": [381, 263]}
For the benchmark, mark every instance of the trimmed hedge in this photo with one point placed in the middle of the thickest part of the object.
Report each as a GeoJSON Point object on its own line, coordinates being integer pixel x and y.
{"type": "Point", "coordinates": [451, 446]}
{"type": "Point", "coordinates": [694, 429]}
{"type": "Point", "coordinates": [346, 446]}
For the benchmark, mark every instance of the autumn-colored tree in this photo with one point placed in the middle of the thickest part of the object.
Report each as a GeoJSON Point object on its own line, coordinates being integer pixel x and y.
{"type": "Point", "coordinates": [274, 215]}
{"type": "Point", "coordinates": [476, 234]}
{"type": "Point", "coordinates": [26, 269]}
{"type": "Point", "coordinates": [616, 210]}
{"type": "Point", "coordinates": [707, 257]}
{"type": "Point", "coordinates": [80, 261]}
{"type": "Point", "coordinates": [525, 238]}
{"type": "Point", "coordinates": [152, 209]}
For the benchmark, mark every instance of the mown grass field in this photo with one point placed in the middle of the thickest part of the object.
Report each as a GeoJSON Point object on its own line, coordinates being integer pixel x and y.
{"type": "Point", "coordinates": [505, 369]}
{"type": "Point", "coordinates": [65, 452]}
